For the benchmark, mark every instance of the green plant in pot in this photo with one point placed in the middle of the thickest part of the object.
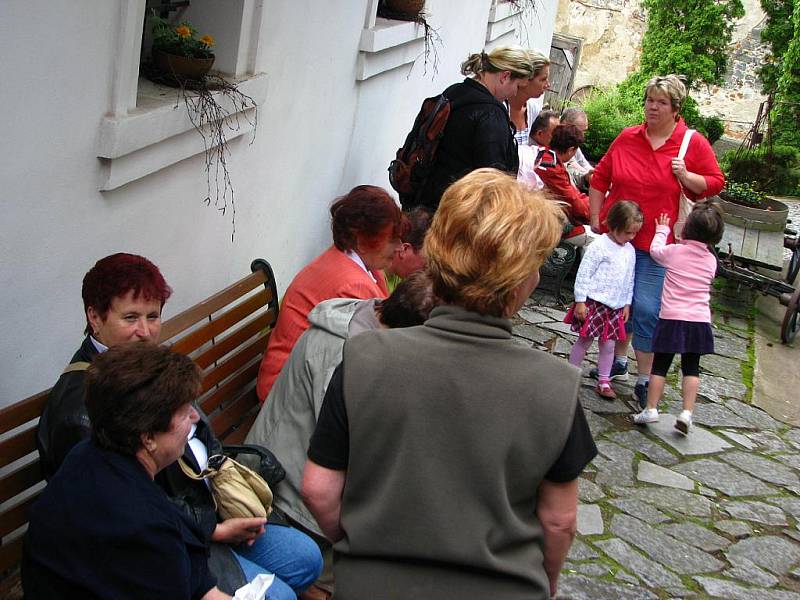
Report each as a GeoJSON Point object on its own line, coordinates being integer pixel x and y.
{"type": "Point", "coordinates": [177, 51]}
{"type": "Point", "coordinates": [744, 194]}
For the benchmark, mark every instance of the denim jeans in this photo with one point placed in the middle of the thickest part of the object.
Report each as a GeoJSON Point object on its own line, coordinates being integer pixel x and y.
{"type": "Point", "coordinates": [291, 555]}
{"type": "Point", "coordinates": [649, 279]}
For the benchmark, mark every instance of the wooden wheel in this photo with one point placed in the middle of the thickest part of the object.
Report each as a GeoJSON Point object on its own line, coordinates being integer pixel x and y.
{"type": "Point", "coordinates": [794, 266]}
{"type": "Point", "coordinates": [790, 323]}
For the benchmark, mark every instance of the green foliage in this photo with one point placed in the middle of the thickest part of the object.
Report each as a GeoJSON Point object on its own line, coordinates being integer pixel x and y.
{"type": "Point", "coordinates": [180, 40]}
{"type": "Point", "coordinates": [689, 37]}
{"type": "Point", "coordinates": [778, 32]}
{"type": "Point", "coordinates": [711, 127]}
{"type": "Point", "coordinates": [609, 112]}
{"type": "Point", "coordinates": [776, 172]}
{"type": "Point", "coordinates": [787, 100]}
{"type": "Point", "coordinates": [745, 194]}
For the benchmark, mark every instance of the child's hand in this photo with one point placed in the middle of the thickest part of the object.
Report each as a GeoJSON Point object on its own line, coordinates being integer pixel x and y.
{"type": "Point", "coordinates": [626, 313]}
{"type": "Point", "coordinates": [663, 219]}
{"type": "Point", "coordinates": [580, 311]}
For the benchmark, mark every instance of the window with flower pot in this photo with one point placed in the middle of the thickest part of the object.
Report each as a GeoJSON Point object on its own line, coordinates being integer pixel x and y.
{"type": "Point", "coordinates": [504, 17]}
{"type": "Point", "coordinates": [393, 36]}
{"type": "Point", "coordinates": [142, 131]}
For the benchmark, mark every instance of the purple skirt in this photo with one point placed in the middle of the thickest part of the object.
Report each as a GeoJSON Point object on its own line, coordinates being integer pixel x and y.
{"type": "Point", "coordinates": [678, 337]}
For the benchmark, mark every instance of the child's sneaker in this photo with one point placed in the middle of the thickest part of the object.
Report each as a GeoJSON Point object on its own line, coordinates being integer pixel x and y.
{"type": "Point", "coordinates": [648, 415]}
{"type": "Point", "coordinates": [684, 422]}
{"type": "Point", "coordinates": [604, 390]}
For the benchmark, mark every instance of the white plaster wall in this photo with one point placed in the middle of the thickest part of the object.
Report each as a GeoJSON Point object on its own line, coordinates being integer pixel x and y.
{"type": "Point", "coordinates": [320, 133]}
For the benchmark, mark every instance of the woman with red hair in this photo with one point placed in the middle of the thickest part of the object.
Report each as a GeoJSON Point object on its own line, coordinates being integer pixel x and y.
{"type": "Point", "coordinates": [366, 225]}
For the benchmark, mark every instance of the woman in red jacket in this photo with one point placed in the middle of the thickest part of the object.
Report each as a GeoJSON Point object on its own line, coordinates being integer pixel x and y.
{"type": "Point", "coordinates": [366, 226]}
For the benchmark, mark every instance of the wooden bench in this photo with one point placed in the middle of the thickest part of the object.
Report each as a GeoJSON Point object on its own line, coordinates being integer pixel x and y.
{"type": "Point", "coordinates": [225, 335]}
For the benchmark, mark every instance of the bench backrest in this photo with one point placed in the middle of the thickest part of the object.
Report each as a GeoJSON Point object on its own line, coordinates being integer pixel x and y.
{"type": "Point", "coordinates": [226, 336]}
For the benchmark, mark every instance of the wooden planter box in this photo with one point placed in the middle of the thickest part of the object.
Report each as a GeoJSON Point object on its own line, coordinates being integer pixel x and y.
{"type": "Point", "coordinates": [771, 219]}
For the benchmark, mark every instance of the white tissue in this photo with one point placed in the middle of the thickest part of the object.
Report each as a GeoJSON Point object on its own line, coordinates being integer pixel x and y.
{"type": "Point", "coordinates": [256, 589]}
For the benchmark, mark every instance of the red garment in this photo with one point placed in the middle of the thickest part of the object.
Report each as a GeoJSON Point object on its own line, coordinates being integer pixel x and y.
{"type": "Point", "coordinates": [632, 170]}
{"type": "Point", "coordinates": [556, 179]}
{"type": "Point", "coordinates": [331, 275]}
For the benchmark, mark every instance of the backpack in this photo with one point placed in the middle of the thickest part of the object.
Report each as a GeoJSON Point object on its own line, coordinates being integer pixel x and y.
{"type": "Point", "coordinates": [415, 160]}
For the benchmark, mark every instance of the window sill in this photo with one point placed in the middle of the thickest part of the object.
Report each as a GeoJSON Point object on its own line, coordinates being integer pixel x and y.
{"type": "Point", "coordinates": [501, 20]}
{"type": "Point", "coordinates": [388, 45]}
{"type": "Point", "coordinates": [159, 133]}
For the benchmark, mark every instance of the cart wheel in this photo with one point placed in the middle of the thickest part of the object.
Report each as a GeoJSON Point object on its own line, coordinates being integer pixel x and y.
{"type": "Point", "coordinates": [794, 266]}
{"type": "Point", "coordinates": [790, 323]}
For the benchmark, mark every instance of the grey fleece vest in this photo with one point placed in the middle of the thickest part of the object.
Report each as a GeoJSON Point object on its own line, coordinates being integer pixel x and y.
{"type": "Point", "coordinates": [453, 426]}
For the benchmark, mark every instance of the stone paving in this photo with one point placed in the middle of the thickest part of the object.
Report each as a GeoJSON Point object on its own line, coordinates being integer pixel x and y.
{"type": "Point", "coordinates": [712, 515]}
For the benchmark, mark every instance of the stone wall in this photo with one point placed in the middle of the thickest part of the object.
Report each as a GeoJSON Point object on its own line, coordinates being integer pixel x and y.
{"type": "Point", "coordinates": [612, 32]}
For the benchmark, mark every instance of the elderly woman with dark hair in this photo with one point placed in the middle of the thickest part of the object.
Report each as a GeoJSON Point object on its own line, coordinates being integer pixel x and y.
{"type": "Point", "coordinates": [565, 142]}
{"type": "Point", "coordinates": [102, 528]}
{"type": "Point", "coordinates": [445, 460]}
{"type": "Point", "coordinates": [367, 226]}
{"type": "Point", "coordinates": [123, 295]}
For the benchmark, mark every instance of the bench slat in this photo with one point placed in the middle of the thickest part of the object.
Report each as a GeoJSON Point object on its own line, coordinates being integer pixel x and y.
{"type": "Point", "coordinates": [225, 345]}
{"type": "Point", "coordinates": [194, 340]}
{"type": "Point", "coordinates": [20, 479]}
{"type": "Point", "coordinates": [236, 437]}
{"type": "Point", "coordinates": [182, 321]}
{"type": "Point", "coordinates": [15, 517]}
{"type": "Point", "coordinates": [10, 553]}
{"type": "Point", "coordinates": [228, 390]}
{"type": "Point", "coordinates": [23, 411]}
{"type": "Point", "coordinates": [229, 366]}
{"type": "Point", "coordinates": [17, 446]}
{"type": "Point", "coordinates": [233, 414]}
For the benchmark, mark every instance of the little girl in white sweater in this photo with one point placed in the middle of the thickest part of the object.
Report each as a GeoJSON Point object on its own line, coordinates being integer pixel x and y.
{"type": "Point", "coordinates": [603, 291]}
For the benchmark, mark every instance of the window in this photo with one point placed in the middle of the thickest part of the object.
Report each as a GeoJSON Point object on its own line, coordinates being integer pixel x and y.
{"type": "Point", "coordinates": [387, 44]}
{"type": "Point", "coordinates": [502, 24]}
{"type": "Point", "coordinates": [145, 129]}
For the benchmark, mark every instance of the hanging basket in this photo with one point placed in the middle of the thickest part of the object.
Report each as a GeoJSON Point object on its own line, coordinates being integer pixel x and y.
{"type": "Point", "coordinates": [409, 8]}
{"type": "Point", "coordinates": [181, 67]}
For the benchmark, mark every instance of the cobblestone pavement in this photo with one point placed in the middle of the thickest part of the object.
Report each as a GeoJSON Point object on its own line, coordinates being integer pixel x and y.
{"type": "Point", "coordinates": [712, 515]}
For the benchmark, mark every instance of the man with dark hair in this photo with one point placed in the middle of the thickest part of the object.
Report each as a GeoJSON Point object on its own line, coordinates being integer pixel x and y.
{"type": "Point", "coordinates": [289, 414]}
{"type": "Point", "coordinates": [542, 128]}
{"type": "Point", "coordinates": [410, 256]}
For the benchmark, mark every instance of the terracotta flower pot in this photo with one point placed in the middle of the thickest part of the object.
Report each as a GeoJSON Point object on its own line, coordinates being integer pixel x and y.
{"type": "Point", "coordinates": [407, 7]}
{"type": "Point", "coordinates": [181, 67]}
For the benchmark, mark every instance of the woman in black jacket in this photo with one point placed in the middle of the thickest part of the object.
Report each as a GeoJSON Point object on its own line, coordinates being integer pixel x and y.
{"type": "Point", "coordinates": [479, 132]}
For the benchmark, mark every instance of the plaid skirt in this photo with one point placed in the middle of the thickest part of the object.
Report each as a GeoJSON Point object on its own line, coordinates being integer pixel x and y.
{"type": "Point", "coordinates": [601, 322]}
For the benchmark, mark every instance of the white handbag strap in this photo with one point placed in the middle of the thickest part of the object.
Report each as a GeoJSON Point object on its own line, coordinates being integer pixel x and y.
{"type": "Point", "coordinates": [685, 143]}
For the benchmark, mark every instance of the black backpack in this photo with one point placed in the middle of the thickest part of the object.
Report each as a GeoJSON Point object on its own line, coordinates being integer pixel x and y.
{"type": "Point", "coordinates": [415, 160]}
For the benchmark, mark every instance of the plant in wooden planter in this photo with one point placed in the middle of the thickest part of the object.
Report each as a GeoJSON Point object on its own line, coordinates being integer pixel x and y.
{"type": "Point", "coordinates": [744, 194]}
{"type": "Point", "coordinates": [745, 206]}
{"type": "Point", "coordinates": [177, 51]}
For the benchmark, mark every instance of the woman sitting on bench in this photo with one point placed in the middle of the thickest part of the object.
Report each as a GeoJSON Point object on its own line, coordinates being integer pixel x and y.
{"type": "Point", "coordinates": [123, 295]}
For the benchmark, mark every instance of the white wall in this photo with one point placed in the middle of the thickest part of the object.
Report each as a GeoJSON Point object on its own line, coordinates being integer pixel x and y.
{"type": "Point", "coordinates": [320, 132]}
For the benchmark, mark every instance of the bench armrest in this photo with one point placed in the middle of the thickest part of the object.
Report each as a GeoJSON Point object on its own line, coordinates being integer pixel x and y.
{"type": "Point", "coordinates": [269, 467]}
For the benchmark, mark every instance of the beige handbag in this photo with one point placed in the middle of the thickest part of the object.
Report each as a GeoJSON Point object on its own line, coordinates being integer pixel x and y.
{"type": "Point", "coordinates": [237, 490]}
{"type": "Point", "coordinates": [685, 205]}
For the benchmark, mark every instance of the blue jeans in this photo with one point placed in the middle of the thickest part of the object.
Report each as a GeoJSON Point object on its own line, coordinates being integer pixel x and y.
{"type": "Point", "coordinates": [649, 279]}
{"type": "Point", "coordinates": [291, 555]}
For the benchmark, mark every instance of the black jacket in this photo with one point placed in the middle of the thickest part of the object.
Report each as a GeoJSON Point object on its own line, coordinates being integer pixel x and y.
{"type": "Point", "coordinates": [64, 420]}
{"type": "Point", "coordinates": [479, 133]}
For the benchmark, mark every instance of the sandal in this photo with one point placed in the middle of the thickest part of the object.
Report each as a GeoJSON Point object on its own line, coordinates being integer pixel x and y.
{"type": "Point", "coordinates": [604, 390]}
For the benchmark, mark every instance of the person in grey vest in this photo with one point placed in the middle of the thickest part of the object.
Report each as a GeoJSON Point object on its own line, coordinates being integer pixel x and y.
{"type": "Point", "coordinates": [446, 456]}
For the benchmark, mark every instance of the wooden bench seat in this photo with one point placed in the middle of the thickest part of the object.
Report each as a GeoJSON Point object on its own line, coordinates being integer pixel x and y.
{"type": "Point", "coordinates": [226, 336]}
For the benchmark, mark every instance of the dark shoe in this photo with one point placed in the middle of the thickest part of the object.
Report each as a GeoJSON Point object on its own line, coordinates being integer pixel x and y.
{"type": "Point", "coordinates": [619, 372]}
{"type": "Point", "coordinates": [605, 391]}
{"type": "Point", "coordinates": [640, 394]}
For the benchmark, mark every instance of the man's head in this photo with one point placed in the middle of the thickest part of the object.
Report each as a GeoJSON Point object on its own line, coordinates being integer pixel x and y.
{"type": "Point", "coordinates": [575, 116]}
{"type": "Point", "coordinates": [410, 257]}
{"type": "Point", "coordinates": [542, 127]}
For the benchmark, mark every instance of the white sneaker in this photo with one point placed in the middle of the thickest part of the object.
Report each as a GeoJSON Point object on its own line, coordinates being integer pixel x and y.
{"type": "Point", "coordinates": [648, 415]}
{"type": "Point", "coordinates": [684, 422]}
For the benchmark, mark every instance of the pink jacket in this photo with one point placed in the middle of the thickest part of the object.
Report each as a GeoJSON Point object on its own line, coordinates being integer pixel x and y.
{"type": "Point", "coordinates": [691, 268]}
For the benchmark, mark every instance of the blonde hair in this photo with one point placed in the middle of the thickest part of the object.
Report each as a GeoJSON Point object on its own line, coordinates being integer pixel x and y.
{"type": "Point", "coordinates": [671, 86]}
{"type": "Point", "coordinates": [522, 63]}
{"type": "Point", "coordinates": [487, 237]}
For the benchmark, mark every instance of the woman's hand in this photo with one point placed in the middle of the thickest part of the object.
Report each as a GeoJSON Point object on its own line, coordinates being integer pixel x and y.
{"type": "Point", "coordinates": [626, 313]}
{"type": "Point", "coordinates": [580, 311]}
{"type": "Point", "coordinates": [663, 219]}
{"type": "Point", "coordinates": [239, 530]}
{"type": "Point", "coordinates": [693, 182]}
{"type": "Point", "coordinates": [679, 168]}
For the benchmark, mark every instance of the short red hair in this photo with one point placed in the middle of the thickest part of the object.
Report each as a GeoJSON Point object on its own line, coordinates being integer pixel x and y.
{"type": "Point", "coordinates": [116, 275]}
{"type": "Point", "coordinates": [366, 211]}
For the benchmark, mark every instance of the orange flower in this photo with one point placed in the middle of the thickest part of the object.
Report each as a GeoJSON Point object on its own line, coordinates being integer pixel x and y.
{"type": "Point", "coordinates": [207, 40]}
{"type": "Point", "coordinates": [183, 31]}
